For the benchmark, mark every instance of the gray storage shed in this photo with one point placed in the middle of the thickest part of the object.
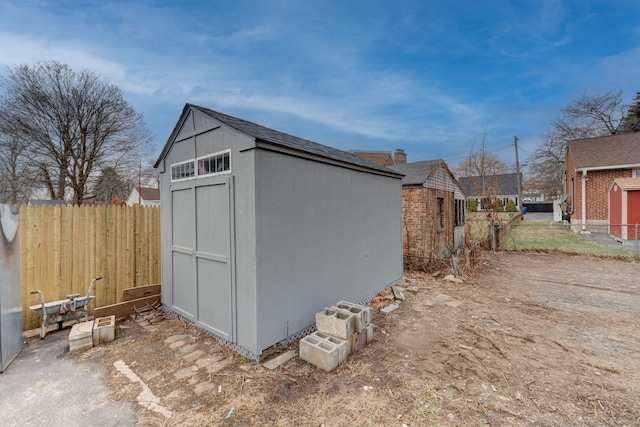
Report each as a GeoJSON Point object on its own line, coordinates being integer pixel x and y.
{"type": "Point", "coordinates": [261, 230]}
{"type": "Point", "coordinates": [10, 286]}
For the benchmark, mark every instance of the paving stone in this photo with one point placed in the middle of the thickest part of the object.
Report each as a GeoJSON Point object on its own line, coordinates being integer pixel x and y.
{"type": "Point", "coordinates": [175, 338]}
{"type": "Point", "coordinates": [149, 375]}
{"type": "Point", "coordinates": [204, 387]}
{"type": "Point", "coordinates": [205, 362]}
{"type": "Point", "coordinates": [217, 366]}
{"type": "Point", "coordinates": [187, 349]}
{"type": "Point", "coordinates": [186, 372]}
{"type": "Point", "coordinates": [279, 360]}
{"type": "Point", "coordinates": [193, 356]}
{"type": "Point", "coordinates": [176, 344]}
{"type": "Point", "coordinates": [388, 309]}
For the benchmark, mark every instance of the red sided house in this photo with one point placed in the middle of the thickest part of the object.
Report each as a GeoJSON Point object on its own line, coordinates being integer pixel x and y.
{"type": "Point", "coordinates": [624, 208]}
{"type": "Point", "coordinates": [591, 166]}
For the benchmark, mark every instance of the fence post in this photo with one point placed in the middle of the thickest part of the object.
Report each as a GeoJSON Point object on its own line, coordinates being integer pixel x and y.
{"type": "Point", "coordinates": [494, 236]}
{"type": "Point", "coordinates": [636, 257]}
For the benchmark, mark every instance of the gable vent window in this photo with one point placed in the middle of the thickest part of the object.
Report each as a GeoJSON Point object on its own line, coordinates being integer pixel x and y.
{"type": "Point", "coordinates": [181, 171]}
{"type": "Point", "coordinates": [214, 164]}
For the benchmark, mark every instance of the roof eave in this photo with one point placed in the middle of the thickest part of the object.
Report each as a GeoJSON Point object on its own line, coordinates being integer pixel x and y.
{"type": "Point", "coordinates": [610, 167]}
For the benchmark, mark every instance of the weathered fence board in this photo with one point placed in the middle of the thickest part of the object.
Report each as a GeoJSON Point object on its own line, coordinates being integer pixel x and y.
{"type": "Point", "coordinates": [64, 247]}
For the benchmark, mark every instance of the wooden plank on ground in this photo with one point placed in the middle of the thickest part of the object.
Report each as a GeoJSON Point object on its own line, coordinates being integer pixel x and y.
{"type": "Point", "coordinates": [140, 292]}
{"type": "Point", "coordinates": [124, 309]}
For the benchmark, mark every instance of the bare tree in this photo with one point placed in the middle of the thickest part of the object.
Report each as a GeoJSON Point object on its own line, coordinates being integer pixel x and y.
{"type": "Point", "coordinates": [590, 116]}
{"type": "Point", "coordinates": [546, 166]}
{"type": "Point", "coordinates": [71, 122]}
{"type": "Point", "coordinates": [16, 183]}
{"type": "Point", "coordinates": [587, 117]}
{"type": "Point", "coordinates": [481, 163]}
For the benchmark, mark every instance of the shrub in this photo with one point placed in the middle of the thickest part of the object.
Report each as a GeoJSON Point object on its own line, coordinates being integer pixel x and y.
{"type": "Point", "coordinates": [472, 205]}
{"type": "Point", "coordinates": [511, 206]}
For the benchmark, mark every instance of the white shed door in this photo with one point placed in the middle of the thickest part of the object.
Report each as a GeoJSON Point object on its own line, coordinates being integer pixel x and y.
{"type": "Point", "coordinates": [202, 273]}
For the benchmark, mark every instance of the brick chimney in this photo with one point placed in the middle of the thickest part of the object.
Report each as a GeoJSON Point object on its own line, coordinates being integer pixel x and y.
{"type": "Point", "coordinates": [400, 157]}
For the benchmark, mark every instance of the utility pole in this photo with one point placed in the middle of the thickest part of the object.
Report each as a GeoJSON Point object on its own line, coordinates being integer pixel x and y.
{"type": "Point", "coordinates": [515, 141]}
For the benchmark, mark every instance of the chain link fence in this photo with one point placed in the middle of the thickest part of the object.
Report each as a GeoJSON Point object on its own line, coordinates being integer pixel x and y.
{"type": "Point", "coordinates": [619, 241]}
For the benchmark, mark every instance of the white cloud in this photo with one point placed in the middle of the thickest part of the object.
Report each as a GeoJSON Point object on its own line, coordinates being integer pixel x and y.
{"type": "Point", "coordinates": [18, 50]}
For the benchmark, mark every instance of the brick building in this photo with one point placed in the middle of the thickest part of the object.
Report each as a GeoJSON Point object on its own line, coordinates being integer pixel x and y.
{"type": "Point", "coordinates": [433, 211]}
{"type": "Point", "coordinates": [591, 166]}
{"type": "Point", "coordinates": [383, 158]}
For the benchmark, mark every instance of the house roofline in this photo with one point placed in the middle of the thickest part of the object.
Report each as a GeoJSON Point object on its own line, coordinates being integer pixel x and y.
{"type": "Point", "coordinates": [611, 167]}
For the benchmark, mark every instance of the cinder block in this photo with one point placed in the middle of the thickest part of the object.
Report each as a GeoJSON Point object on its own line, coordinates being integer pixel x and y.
{"type": "Point", "coordinates": [344, 346]}
{"type": "Point", "coordinates": [320, 353]}
{"type": "Point", "coordinates": [366, 313]}
{"type": "Point", "coordinates": [388, 309]}
{"type": "Point", "coordinates": [104, 329]}
{"type": "Point", "coordinates": [336, 323]}
{"type": "Point", "coordinates": [358, 340]}
{"type": "Point", "coordinates": [369, 332]}
{"type": "Point", "coordinates": [81, 336]}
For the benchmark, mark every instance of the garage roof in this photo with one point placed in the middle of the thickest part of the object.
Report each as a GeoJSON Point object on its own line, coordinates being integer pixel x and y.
{"type": "Point", "coordinates": [606, 152]}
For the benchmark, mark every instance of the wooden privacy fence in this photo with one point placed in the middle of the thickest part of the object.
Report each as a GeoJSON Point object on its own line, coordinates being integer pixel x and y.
{"type": "Point", "coordinates": [63, 247]}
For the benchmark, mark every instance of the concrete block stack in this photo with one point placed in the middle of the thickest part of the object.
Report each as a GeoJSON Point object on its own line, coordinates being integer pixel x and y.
{"type": "Point", "coordinates": [85, 335]}
{"type": "Point", "coordinates": [341, 330]}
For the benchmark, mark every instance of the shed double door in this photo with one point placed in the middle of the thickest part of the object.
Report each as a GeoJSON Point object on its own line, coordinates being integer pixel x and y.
{"type": "Point", "coordinates": [202, 248]}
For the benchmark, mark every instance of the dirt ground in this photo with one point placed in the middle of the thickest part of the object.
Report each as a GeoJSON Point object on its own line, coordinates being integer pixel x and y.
{"type": "Point", "coordinates": [529, 339]}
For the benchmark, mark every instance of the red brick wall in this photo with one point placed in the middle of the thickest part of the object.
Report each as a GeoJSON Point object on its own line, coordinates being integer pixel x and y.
{"type": "Point", "coordinates": [422, 235]}
{"type": "Point", "coordinates": [598, 183]}
{"type": "Point", "coordinates": [597, 190]}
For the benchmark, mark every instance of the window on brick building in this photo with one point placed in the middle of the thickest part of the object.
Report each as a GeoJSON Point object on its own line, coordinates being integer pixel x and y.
{"type": "Point", "coordinates": [440, 213]}
{"type": "Point", "coordinates": [460, 212]}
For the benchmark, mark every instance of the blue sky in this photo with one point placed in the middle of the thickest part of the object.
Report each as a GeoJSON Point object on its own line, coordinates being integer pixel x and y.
{"type": "Point", "coordinates": [430, 77]}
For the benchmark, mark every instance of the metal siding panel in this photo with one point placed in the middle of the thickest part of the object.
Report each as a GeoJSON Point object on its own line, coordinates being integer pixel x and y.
{"type": "Point", "coordinates": [325, 234]}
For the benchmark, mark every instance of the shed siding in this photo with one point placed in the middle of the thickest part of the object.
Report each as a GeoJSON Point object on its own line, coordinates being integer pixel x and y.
{"type": "Point", "coordinates": [242, 171]}
{"type": "Point", "coordinates": [324, 234]}
{"type": "Point", "coordinates": [302, 233]}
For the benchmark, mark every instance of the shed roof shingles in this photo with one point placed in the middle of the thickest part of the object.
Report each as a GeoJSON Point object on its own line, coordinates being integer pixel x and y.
{"type": "Point", "coordinates": [606, 151]}
{"type": "Point", "coordinates": [417, 172]}
{"type": "Point", "coordinates": [271, 136]}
